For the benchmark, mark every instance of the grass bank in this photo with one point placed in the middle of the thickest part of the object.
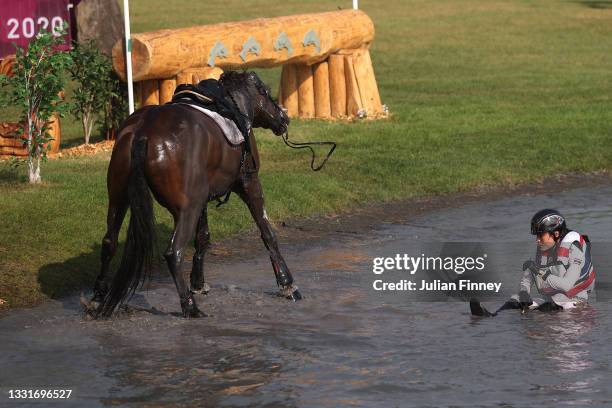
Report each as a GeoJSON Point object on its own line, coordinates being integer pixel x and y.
{"type": "Point", "coordinates": [481, 92]}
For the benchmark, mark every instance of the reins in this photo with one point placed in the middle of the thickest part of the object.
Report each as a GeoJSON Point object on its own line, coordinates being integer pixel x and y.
{"type": "Point", "coordinates": [294, 145]}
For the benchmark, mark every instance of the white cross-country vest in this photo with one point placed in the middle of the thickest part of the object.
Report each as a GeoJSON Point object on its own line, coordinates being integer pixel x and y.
{"type": "Point", "coordinates": [586, 280]}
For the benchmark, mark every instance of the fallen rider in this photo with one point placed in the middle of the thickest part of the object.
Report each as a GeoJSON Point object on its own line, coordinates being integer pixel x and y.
{"type": "Point", "coordinates": [562, 272]}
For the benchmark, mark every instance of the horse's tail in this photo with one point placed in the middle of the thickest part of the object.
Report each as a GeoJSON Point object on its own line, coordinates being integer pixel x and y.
{"type": "Point", "coordinates": [138, 253]}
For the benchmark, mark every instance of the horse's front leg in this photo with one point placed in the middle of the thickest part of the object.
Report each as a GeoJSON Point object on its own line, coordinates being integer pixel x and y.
{"type": "Point", "coordinates": [250, 192]}
{"type": "Point", "coordinates": [201, 244]}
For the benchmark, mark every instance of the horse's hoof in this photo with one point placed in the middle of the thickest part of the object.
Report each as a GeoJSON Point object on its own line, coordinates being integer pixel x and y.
{"type": "Point", "coordinates": [90, 308]}
{"type": "Point", "coordinates": [190, 309]}
{"type": "Point", "coordinates": [196, 314]}
{"type": "Point", "coordinates": [294, 296]}
{"type": "Point", "coordinates": [203, 290]}
{"type": "Point", "coordinates": [193, 313]}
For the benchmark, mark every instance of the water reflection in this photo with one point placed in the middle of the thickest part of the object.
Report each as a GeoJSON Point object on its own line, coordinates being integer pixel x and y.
{"type": "Point", "coordinates": [564, 339]}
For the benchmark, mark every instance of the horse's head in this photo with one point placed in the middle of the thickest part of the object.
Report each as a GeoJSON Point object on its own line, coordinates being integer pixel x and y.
{"type": "Point", "coordinates": [254, 99]}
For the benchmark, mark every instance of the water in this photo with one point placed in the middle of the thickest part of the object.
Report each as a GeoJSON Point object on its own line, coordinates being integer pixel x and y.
{"type": "Point", "coordinates": [342, 345]}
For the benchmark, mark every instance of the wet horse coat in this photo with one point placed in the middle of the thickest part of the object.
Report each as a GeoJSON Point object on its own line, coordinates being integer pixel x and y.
{"type": "Point", "coordinates": [181, 156]}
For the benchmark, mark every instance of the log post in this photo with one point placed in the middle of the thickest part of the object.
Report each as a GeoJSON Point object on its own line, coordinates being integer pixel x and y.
{"type": "Point", "coordinates": [353, 98]}
{"type": "Point", "coordinates": [56, 134]}
{"type": "Point", "coordinates": [184, 78]}
{"type": "Point", "coordinates": [150, 92]}
{"type": "Point", "coordinates": [195, 75]}
{"type": "Point", "coordinates": [321, 90]}
{"type": "Point", "coordinates": [305, 91]}
{"type": "Point", "coordinates": [289, 90]}
{"type": "Point", "coordinates": [166, 90]}
{"type": "Point", "coordinates": [138, 94]}
{"type": "Point", "coordinates": [337, 86]}
{"type": "Point", "coordinates": [366, 81]}
{"type": "Point", "coordinates": [200, 74]}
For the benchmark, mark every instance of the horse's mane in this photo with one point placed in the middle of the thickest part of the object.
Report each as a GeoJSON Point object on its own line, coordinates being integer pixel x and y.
{"type": "Point", "coordinates": [234, 80]}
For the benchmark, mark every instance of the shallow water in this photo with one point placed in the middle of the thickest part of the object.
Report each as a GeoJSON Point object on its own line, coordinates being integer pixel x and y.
{"type": "Point", "coordinates": [343, 344]}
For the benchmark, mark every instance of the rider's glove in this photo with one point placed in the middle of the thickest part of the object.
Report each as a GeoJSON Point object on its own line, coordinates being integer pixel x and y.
{"type": "Point", "coordinates": [524, 298]}
{"type": "Point", "coordinates": [529, 264]}
{"type": "Point", "coordinates": [542, 273]}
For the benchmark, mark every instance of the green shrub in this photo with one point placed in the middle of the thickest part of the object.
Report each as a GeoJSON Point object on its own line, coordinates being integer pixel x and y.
{"type": "Point", "coordinates": [34, 90]}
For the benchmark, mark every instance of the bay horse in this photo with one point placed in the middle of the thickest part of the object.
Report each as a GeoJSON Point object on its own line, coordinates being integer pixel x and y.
{"type": "Point", "coordinates": [182, 157]}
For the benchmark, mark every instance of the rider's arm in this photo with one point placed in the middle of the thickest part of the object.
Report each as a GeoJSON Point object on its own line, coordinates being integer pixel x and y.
{"type": "Point", "coordinates": [566, 275]}
{"type": "Point", "coordinates": [525, 284]}
{"type": "Point", "coordinates": [526, 281]}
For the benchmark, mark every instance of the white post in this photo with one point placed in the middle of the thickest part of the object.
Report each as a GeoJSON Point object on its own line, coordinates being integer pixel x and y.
{"type": "Point", "coordinates": [128, 54]}
{"type": "Point", "coordinates": [356, 4]}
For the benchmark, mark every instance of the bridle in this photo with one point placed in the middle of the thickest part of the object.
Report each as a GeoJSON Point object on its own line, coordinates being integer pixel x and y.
{"type": "Point", "coordinates": [285, 135]}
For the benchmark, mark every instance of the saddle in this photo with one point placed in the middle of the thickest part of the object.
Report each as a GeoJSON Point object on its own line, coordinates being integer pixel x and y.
{"type": "Point", "coordinates": [210, 95]}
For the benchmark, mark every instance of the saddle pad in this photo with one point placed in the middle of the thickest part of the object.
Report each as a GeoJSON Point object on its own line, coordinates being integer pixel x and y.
{"type": "Point", "coordinates": [229, 128]}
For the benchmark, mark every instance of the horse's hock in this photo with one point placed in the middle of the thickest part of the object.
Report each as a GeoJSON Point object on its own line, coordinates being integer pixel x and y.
{"type": "Point", "coordinates": [326, 67]}
{"type": "Point", "coordinates": [11, 143]}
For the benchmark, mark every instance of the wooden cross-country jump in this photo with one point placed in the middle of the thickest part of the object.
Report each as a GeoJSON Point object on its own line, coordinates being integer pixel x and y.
{"type": "Point", "coordinates": [326, 66]}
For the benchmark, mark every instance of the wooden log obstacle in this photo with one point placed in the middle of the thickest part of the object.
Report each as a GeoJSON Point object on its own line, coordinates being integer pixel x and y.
{"type": "Point", "coordinates": [326, 67]}
{"type": "Point", "coordinates": [11, 143]}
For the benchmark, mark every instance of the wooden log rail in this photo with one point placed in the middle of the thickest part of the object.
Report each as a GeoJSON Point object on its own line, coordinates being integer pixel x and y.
{"type": "Point", "coordinates": [11, 144]}
{"type": "Point", "coordinates": [262, 43]}
{"type": "Point", "coordinates": [327, 70]}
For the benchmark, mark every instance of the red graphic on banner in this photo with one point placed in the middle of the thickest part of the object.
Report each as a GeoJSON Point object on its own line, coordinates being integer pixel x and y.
{"type": "Point", "coordinates": [21, 20]}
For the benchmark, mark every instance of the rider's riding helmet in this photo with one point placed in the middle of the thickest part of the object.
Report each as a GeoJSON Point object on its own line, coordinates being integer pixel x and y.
{"type": "Point", "coordinates": [548, 220]}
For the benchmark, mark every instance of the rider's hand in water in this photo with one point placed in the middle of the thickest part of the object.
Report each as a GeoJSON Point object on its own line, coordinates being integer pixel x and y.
{"type": "Point", "coordinates": [524, 297]}
{"type": "Point", "coordinates": [524, 300]}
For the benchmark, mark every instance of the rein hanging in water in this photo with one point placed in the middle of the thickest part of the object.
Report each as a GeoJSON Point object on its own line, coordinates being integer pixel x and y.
{"type": "Point", "coordinates": [308, 145]}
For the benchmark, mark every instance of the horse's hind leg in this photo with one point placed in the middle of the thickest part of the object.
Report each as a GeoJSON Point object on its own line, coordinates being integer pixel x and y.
{"type": "Point", "coordinates": [118, 203]}
{"type": "Point", "coordinates": [116, 213]}
{"type": "Point", "coordinates": [185, 224]}
{"type": "Point", "coordinates": [202, 242]}
{"type": "Point", "coordinates": [250, 192]}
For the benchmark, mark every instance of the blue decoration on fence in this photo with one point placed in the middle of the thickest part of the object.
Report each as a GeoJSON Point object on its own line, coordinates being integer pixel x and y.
{"type": "Point", "coordinates": [283, 42]}
{"type": "Point", "coordinates": [250, 46]}
{"type": "Point", "coordinates": [219, 51]}
{"type": "Point", "coordinates": [311, 38]}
